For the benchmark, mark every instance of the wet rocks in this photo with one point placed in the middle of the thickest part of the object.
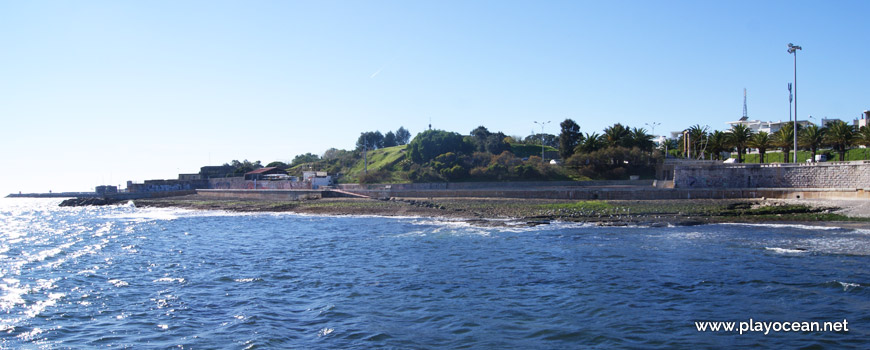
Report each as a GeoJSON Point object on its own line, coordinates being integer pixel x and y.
{"type": "Point", "coordinates": [80, 202]}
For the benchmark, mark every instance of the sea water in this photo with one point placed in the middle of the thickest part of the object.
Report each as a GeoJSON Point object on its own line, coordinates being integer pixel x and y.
{"type": "Point", "coordinates": [121, 276]}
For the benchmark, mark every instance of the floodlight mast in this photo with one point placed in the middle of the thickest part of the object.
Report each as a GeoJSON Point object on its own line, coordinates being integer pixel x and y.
{"type": "Point", "coordinates": [792, 49]}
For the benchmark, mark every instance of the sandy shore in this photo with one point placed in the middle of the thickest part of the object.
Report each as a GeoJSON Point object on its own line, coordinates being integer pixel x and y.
{"type": "Point", "coordinates": [498, 211]}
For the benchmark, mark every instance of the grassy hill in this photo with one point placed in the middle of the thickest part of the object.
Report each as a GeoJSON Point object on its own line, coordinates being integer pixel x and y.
{"type": "Point", "coordinates": [351, 164]}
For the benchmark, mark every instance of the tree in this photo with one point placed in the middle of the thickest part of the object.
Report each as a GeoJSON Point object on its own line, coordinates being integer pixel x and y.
{"type": "Point", "coordinates": [590, 143]}
{"type": "Point", "coordinates": [402, 136]}
{"type": "Point", "coordinates": [370, 140]}
{"type": "Point", "coordinates": [738, 137]}
{"type": "Point", "coordinates": [616, 136]}
{"type": "Point", "coordinates": [812, 137]}
{"type": "Point", "coordinates": [496, 143]}
{"type": "Point", "coordinates": [784, 139]}
{"type": "Point", "coordinates": [333, 153]}
{"type": "Point", "coordinates": [698, 139]}
{"type": "Point", "coordinates": [762, 142]}
{"type": "Point", "coordinates": [569, 138]}
{"type": "Point", "coordinates": [244, 166]}
{"type": "Point", "coordinates": [642, 140]}
{"type": "Point", "coordinates": [535, 139]}
{"type": "Point", "coordinates": [717, 142]}
{"type": "Point", "coordinates": [485, 141]}
{"type": "Point", "coordinates": [840, 136]}
{"type": "Point", "coordinates": [304, 158]}
{"type": "Point", "coordinates": [669, 145]}
{"type": "Point", "coordinates": [390, 139]}
{"type": "Point", "coordinates": [863, 137]}
{"type": "Point", "coordinates": [431, 143]}
{"type": "Point", "coordinates": [479, 136]}
{"type": "Point", "coordinates": [279, 165]}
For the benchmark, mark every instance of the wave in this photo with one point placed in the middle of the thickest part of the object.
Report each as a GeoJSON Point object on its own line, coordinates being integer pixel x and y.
{"type": "Point", "coordinates": [847, 286]}
{"type": "Point", "coordinates": [786, 250]}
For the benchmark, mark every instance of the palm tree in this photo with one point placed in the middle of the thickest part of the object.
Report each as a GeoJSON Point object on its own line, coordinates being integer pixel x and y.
{"type": "Point", "coordinates": [738, 137]}
{"type": "Point", "coordinates": [717, 141]}
{"type": "Point", "coordinates": [642, 140]}
{"type": "Point", "coordinates": [589, 143]}
{"type": "Point", "coordinates": [669, 145]}
{"type": "Point", "coordinates": [840, 136]}
{"type": "Point", "coordinates": [616, 136]}
{"type": "Point", "coordinates": [698, 139]}
{"type": "Point", "coordinates": [864, 137]}
{"type": "Point", "coordinates": [812, 137]}
{"type": "Point", "coordinates": [762, 142]}
{"type": "Point", "coordinates": [784, 139]}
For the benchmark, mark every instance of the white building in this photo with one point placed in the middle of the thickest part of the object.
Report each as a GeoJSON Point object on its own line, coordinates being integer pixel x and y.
{"type": "Point", "coordinates": [859, 123]}
{"type": "Point", "coordinates": [317, 178]}
{"type": "Point", "coordinates": [769, 127]}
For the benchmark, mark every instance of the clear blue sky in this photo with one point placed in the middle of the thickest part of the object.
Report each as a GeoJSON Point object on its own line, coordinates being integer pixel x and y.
{"type": "Point", "coordinates": [98, 92]}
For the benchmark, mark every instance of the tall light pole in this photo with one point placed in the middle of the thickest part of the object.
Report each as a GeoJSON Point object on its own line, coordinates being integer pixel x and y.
{"type": "Point", "coordinates": [789, 113]}
{"type": "Point", "coordinates": [792, 49]}
{"type": "Point", "coordinates": [542, 138]}
{"type": "Point", "coordinates": [652, 127]}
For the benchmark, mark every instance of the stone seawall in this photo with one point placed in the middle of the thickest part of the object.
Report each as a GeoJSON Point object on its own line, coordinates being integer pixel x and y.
{"type": "Point", "coordinates": [813, 175]}
{"type": "Point", "coordinates": [514, 185]}
{"type": "Point", "coordinates": [279, 195]}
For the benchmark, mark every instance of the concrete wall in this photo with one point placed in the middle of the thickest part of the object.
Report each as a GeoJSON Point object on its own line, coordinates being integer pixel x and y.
{"type": "Point", "coordinates": [855, 175]}
{"type": "Point", "coordinates": [494, 185]}
{"type": "Point", "coordinates": [165, 185]}
{"type": "Point", "coordinates": [239, 183]}
{"type": "Point", "coordinates": [280, 195]}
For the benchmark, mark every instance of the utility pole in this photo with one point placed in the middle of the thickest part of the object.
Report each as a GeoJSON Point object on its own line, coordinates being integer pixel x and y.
{"type": "Point", "coordinates": [366, 155]}
{"type": "Point", "coordinates": [542, 139]}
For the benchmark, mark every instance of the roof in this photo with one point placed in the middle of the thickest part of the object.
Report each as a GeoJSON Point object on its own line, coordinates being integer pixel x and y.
{"type": "Point", "coordinates": [261, 170]}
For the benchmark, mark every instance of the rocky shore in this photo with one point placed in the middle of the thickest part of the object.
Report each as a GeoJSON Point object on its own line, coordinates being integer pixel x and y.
{"type": "Point", "coordinates": [499, 211]}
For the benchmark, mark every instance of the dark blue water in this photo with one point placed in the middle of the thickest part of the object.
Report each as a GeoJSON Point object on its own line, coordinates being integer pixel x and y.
{"type": "Point", "coordinates": [162, 278]}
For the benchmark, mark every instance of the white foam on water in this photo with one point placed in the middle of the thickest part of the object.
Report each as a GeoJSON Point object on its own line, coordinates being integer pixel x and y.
{"type": "Point", "coordinates": [325, 331]}
{"type": "Point", "coordinates": [30, 335]}
{"type": "Point", "coordinates": [848, 286]}
{"type": "Point", "coordinates": [247, 280]}
{"type": "Point", "coordinates": [14, 293]}
{"type": "Point", "coordinates": [688, 235]}
{"type": "Point", "coordinates": [118, 283]}
{"type": "Point", "coordinates": [798, 226]}
{"type": "Point", "coordinates": [170, 280]}
{"type": "Point", "coordinates": [785, 250]}
{"type": "Point", "coordinates": [41, 305]}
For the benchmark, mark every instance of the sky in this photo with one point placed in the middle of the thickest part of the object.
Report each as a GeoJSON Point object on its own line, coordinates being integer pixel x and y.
{"type": "Point", "coordinates": [101, 92]}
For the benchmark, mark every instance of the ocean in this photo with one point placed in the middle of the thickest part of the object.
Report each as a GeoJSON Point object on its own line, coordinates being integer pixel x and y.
{"type": "Point", "coordinates": [121, 276]}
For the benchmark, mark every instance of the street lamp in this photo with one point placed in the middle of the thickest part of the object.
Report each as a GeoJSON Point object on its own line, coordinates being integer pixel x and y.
{"type": "Point", "coordinates": [542, 138]}
{"type": "Point", "coordinates": [652, 127]}
{"type": "Point", "coordinates": [792, 49]}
